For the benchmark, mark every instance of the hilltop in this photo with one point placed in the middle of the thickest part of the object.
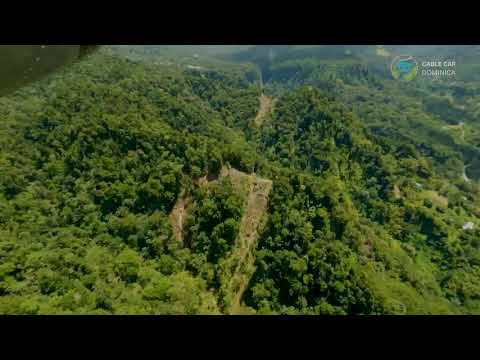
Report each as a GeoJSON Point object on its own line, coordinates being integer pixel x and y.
{"type": "Point", "coordinates": [303, 183]}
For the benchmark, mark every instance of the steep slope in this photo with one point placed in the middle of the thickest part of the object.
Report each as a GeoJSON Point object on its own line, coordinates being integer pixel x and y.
{"type": "Point", "coordinates": [240, 263]}
{"type": "Point", "coordinates": [338, 240]}
{"type": "Point", "coordinates": [348, 200]}
{"type": "Point", "coordinates": [92, 164]}
{"type": "Point", "coordinates": [401, 113]}
{"type": "Point", "coordinates": [248, 235]}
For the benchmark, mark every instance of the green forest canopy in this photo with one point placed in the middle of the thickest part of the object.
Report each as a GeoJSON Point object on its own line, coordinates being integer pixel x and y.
{"type": "Point", "coordinates": [366, 214]}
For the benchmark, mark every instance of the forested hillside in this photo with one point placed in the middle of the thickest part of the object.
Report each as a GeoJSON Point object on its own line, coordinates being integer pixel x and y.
{"type": "Point", "coordinates": [299, 181]}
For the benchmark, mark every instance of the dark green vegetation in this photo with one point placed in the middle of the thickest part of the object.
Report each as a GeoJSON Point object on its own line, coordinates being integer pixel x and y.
{"type": "Point", "coordinates": [365, 215]}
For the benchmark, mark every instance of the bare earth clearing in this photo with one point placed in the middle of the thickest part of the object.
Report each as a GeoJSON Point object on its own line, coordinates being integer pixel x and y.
{"type": "Point", "coordinates": [266, 108]}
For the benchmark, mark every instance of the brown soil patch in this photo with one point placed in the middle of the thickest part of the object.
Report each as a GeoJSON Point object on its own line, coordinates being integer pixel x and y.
{"type": "Point", "coordinates": [266, 108]}
{"type": "Point", "coordinates": [178, 217]}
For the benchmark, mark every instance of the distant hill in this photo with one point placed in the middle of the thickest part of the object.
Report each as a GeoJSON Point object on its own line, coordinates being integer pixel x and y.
{"type": "Point", "coordinates": [262, 180]}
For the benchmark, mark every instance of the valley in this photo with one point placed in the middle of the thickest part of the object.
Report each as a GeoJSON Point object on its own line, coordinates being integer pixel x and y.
{"type": "Point", "coordinates": [244, 180]}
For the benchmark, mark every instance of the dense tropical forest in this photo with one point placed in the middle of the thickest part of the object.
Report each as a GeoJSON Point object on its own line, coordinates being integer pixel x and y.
{"type": "Point", "coordinates": [242, 180]}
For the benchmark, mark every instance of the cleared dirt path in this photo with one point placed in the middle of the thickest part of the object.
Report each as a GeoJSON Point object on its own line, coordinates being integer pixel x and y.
{"type": "Point", "coordinates": [178, 217]}
{"type": "Point", "coordinates": [240, 264]}
{"type": "Point", "coordinates": [266, 108]}
{"type": "Point", "coordinates": [247, 239]}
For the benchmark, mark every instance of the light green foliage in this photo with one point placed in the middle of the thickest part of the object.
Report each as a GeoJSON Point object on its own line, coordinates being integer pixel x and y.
{"type": "Point", "coordinates": [365, 215]}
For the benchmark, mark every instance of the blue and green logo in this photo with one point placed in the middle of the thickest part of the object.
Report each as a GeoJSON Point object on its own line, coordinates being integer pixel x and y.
{"type": "Point", "coordinates": [404, 67]}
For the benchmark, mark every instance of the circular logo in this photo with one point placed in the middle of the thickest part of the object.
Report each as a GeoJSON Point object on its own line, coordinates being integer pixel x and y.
{"type": "Point", "coordinates": [404, 67]}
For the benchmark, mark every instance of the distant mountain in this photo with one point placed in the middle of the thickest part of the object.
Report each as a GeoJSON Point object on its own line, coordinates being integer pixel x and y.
{"type": "Point", "coordinates": [211, 51]}
{"type": "Point", "coordinates": [149, 180]}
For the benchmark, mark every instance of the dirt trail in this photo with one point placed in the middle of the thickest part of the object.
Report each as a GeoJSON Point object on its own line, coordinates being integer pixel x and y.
{"type": "Point", "coordinates": [241, 261]}
{"type": "Point", "coordinates": [266, 108]}
{"type": "Point", "coordinates": [178, 217]}
{"type": "Point", "coordinates": [396, 192]}
{"type": "Point", "coordinates": [247, 238]}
